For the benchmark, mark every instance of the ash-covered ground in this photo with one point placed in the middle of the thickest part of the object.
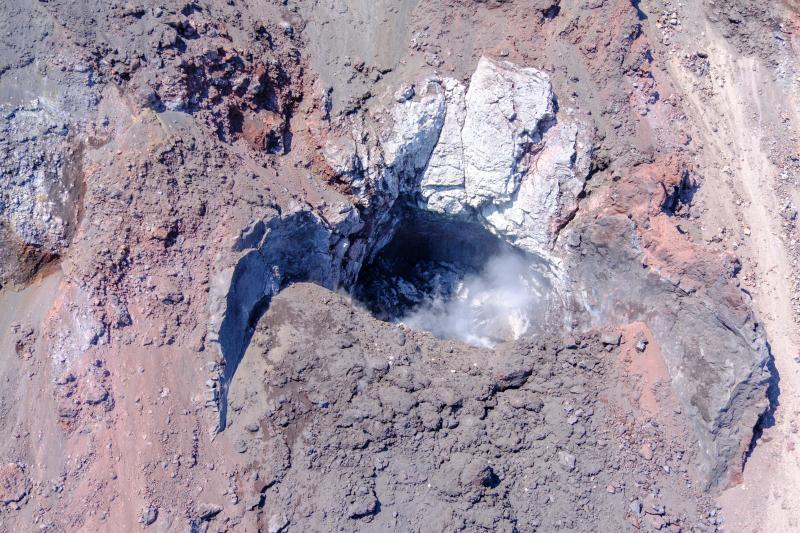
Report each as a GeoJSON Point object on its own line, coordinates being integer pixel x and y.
{"type": "Point", "coordinates": [516, 265]}
{"type": "Point", "coordinates": [351, 422]}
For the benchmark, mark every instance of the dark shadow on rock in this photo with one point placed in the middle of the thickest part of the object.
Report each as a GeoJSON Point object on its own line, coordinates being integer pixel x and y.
{"type": "Point", "coordinates": [680, 195]}
{"type": "Point", "coordinates": [284, 250]}
{"type": "Point", "coordinates": [767, 419]}
{"type": "Point", "coordinates": [552, 12]}
{"type": "Point", "coordinates": [639, 13]}
{"type": "Point", "coordinates": [429, 256]}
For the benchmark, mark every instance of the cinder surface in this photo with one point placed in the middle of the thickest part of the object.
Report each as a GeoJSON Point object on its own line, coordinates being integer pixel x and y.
{"type": "Point", "coordinates": [147, 142]}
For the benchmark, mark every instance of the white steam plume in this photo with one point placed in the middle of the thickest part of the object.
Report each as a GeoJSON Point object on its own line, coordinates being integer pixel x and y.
{"type": "Point", "coordinates": [504, 301]}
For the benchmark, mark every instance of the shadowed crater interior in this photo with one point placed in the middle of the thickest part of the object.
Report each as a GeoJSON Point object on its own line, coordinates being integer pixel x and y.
{"type": "Point", "coordinates": [457, 280]}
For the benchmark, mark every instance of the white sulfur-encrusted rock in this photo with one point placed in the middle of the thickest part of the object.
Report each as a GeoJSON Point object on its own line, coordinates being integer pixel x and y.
{"type": "Point", "coordinates": [502, 158]}
{"type": "Point", "coordinates": [507, 107]}
{"type": "Point", "coordinates": [442, 184]}
{"type": "Point", "coordinates": [494, 153]}
{"type": "Point", "coordinates": [416, 128]}
{"type": "Point", "coordinates": [548, 195]}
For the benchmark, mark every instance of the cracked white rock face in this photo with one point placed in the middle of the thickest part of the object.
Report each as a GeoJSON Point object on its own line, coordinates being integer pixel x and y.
{"type": "Point", "coordinates": [548, 196]}
{"type": "Point", "coordinates": [502, 157]}
{"type": "Point", "coordinates": [443, 183]}
{"type": "Point", "coordinates": [36, 188]}
{"type": "Point", "coordinates": [417, 127]}
{"type": "Point", "coordinates": [507, 107]}
{"type": "Point", "coordinates": [495, 153]}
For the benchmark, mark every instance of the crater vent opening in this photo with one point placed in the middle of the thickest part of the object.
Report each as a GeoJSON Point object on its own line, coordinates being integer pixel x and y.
{"type": "Point", "coordinates": [457, 280]}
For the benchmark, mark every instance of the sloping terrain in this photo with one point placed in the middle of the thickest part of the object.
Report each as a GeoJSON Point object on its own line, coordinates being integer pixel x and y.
{"type": "Point", "coordinates": [457, 265]}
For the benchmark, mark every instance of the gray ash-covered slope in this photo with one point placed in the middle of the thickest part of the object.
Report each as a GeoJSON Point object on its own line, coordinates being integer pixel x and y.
{"type": "Point", "coordinates": [348, 423]}
{"type": "Point", "coordinates": [716, 351]}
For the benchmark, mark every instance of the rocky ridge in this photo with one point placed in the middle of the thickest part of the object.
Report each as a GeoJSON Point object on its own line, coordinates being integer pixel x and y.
{"type": "Point", "coordinates": [370, 426]}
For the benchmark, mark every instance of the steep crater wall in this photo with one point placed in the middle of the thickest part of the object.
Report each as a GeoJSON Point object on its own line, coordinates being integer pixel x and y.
{"type": "Point", "coordinates": [520, 178]}
{"type": "Point", "coordinates": [458, 281]}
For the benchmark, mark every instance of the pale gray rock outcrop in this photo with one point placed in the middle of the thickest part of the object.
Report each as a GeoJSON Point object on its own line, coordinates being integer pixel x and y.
{"type": "Point", "coordinates": [507, 108]}
{"type": "Point", "coordinates": [503, 159]}
{"type": "Point", "coordinates": [442, 187]}
{"type": "Point", "coordinates": [494, 153]}
{"type": "Point", "coordinates": [548, 196]}
{"type": "Point", "coordinates": [417, 125]}
{"type": "Point", "coordinates": [39, 187]}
